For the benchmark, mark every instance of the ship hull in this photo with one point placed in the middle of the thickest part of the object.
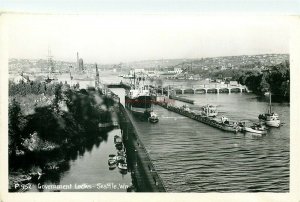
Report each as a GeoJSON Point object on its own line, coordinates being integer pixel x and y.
{"type": "Point", "coordinates": [275, 123]}
{"type": "Point", "coordinates": [140, 105]}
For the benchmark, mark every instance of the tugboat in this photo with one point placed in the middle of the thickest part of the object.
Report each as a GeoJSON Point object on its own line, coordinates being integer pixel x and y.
{"type": "Point", "coordinates": [153, 118]}
{"type": "Point", "coordinates": [270, 118]}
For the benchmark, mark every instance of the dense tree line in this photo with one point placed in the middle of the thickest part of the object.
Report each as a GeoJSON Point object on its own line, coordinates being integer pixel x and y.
{"type": "Point", "coordinates": [74, 126]}
{"type": "Point", "coordinates": [36, 87]}
{"type": "Point", "coordinates": [275, 79]}
{"type": "Point", "coordinates": [16, 125]}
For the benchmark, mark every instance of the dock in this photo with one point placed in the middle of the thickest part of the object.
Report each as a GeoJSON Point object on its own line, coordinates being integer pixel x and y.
{"type": "Point", "coordinates": [144, 174]}
{"type": "Point", "coordinates": [203, 119]}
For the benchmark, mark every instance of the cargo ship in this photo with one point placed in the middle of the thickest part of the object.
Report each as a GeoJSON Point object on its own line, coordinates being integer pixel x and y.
{"type": "Point", "coordinates": [138, 100]}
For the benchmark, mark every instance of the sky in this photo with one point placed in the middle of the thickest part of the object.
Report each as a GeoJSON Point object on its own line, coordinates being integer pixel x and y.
{"type": "Point", "coordinates": [115, 38]}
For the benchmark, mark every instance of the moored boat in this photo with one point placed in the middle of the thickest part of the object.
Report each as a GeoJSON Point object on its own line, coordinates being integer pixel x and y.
{"type": "Point", "coordinates": [256, 128]}
{"type": "Point", "coordinates": [153, 118]}
{"type": "Point", "coordinates": [270, 118]}
{"type": "Point", "coordinates": [122, 166]}
{"type": "Point", "coordinates": [112, 161]}
{"type": "Point", "coordinates": [121, 153]}
{"type": "Point", "coordinates": [112, 166]}
{"type": "Point", "coordinates": [117, 139]}
{"type": "Point", "coordinates": [119, 146]}
{"type": "Point", "coordinates": [120, 158]}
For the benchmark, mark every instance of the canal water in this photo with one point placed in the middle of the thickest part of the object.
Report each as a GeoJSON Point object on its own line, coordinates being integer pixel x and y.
{"type": "Point", "coordinates": [193, 157]}
{"type": "Point", "coordinates": [88, 171]}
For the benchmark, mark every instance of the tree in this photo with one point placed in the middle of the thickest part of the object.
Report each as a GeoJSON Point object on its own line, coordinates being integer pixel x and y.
{"type": "Point", "coordinates": [264, 85]}
{"type": "Point", "coordinates": [58, 97]}
{"type": "Point", "coordinates": [16, 122]}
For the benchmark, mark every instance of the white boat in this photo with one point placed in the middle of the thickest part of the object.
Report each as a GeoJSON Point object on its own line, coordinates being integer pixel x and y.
{"type": "Point", "coordinates": [153, 118]}
{"type": "Point", "coordinates": [270, 118]}
{"type": "Point", "coordinates": [112, 161]}
{"type": "Point", "coordinates": [122, 166]}
{"type": "Point", "coordinates": [117, 139]}
{"type": "Point", "coordinates": [121, 159]}
{"type": "Point", "coordinates": [256, 128]}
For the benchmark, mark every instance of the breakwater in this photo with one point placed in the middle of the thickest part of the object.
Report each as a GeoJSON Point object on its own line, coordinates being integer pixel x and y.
{"type": "Point", "coordinates": [144, 175]}
{"type": "Point", "coordinates": [228, 127]}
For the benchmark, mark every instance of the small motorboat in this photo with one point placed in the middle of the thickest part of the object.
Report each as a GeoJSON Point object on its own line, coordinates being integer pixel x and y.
{"type": "Point", "coordinates": [256, 128]}
{"type": "Point", "coordinates": [117, 139]}
{"type": "Point", "coordinates": [122, 166]}
{"type": "Point", "coordinates": [112, 166]}
{"type": "Point", "coordinates": [121, 153]}
{"type": "Point", "coordinates": [153, 118]}
{"type": "Point", "coordinates": [119, 146]}
{"type": "Point", "coordinates": [112, 161]}
{"type": "Point", "coordinates": [121, 159]}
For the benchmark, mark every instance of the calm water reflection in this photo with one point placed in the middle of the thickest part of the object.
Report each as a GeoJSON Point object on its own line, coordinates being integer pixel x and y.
{"type": "Point", "coordinates": [87, 170]}
{"type": "Point", "coordinates": [193, 157]}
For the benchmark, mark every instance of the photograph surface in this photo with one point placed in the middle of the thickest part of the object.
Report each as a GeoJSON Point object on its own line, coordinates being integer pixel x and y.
{"type": "Point", "coordinates": [148, 103]}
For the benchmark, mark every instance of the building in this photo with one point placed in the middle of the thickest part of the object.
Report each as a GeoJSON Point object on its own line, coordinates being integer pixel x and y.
{"type": "Point", "coordinates": [80, 66]}
{"type": "Point", "coordinates": [137, 71]}
{"type": "Point", "coordinates": [177, 70]}
{"type": "Point", "coordinates": [233, 83]}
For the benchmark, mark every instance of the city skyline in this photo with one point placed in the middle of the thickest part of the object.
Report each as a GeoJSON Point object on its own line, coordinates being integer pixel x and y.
{"type": "Point", "coordinates": [128, 38]}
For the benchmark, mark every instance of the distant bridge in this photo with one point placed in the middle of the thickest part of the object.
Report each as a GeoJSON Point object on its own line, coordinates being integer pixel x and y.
{"type": "Point", "coordinates": [194, 89]}
{"type": "Point", "coordinates": [203, 89]}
